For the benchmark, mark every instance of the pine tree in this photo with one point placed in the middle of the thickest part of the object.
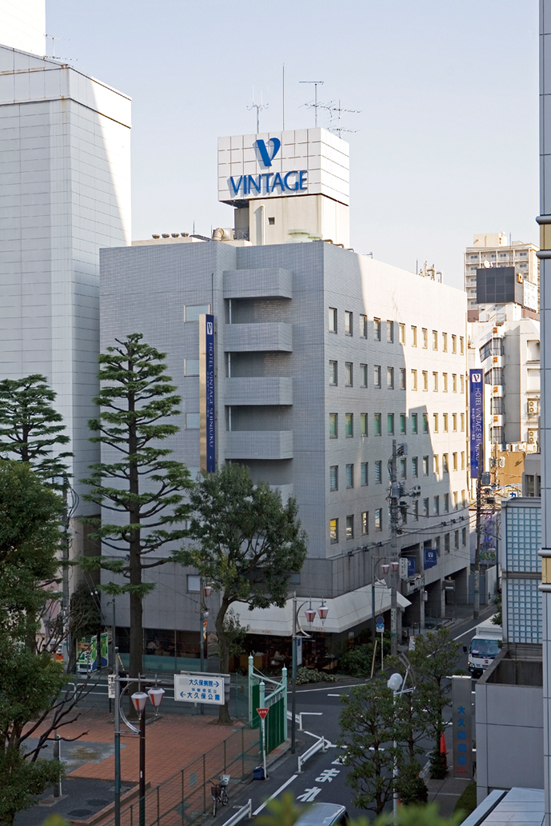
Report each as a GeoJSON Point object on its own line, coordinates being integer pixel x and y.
{"type": "Point", "coordinates": [144, 489]}
{"type": "Point", "coordinates": [31, 430]}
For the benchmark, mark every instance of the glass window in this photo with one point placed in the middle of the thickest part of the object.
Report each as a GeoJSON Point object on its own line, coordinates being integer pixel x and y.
{"type": "Point", "coordinates": [402, 333]}
{"type": "Point", "coordinates": [435, 422]}
{"type": "Point", "coordinates": [334, 531]}
{"type": "Point", "coordinates": [378, 472]}
{"type": "Point", "coordinates": [415, 466]}
{"type": "Point", "coordinates": [390, 378]}
{"type": "Point", "coordinates": [454, 343]}
{"type": "Point", "coordinates": [364, 473]}
{"type": "Point", "coordinates": [425, 380]}
{"type": "Point", "coordinates": [445, 342]}
{"type": "Point", "coordinates": [377, 376]}
{"type": "Point", "coordinates": [425, 422]}
{"type": "Point", "coordinates": [191, 367]}
{"type": "Point", "coordinates": [435, 382]}
{"type": "Point", "coordinates": [462, 417]}
{"type": "Point", "coordinates": [426, 506]}
{"type": "Point", "coordinates": [435, 340]}
{"type": "Point", "coordinates": [348, 374]}
{"type": "Point", "coordinates": [402, 424]}
{"type": "Point", "coordinates": [436, 505]}
{"type": "Point", "coordinates": [350, 526]}
{"type": "Point", "coordinates": [332, 319]}
{"type": "Point", "coordinates": [193, 421]}
{"type": "Point", "coordinates": [414, 379]}
{"type": "Point", "coordinates": [461, 345]}
{"type": "Point", "coordinates": [455, 499]}
{"type": "Point", "coordinates": [454, 422]}
{"type": "Point", "coordinates": [193, 583]}
{"type": "Point", "coordinates": [390, 332]}
{"type": "Point", "coordinates": [348, 425]}
{"type": "Point", "coordinates": [463, 498]}
{"type": "Point", "coordinates": [445, 382]}
{"type": "Point", "coordinates": [365, 522]}
{"type": "Point", "coordinates": [415, 510]}
{"type": "Point", "coordinates": [377, 425]}
{"type": "Point", "coordinates": [363, 424]}
{"type": "Point", "coordinates": [425, 338]}
{"type": "Point", "coordinates": [363, 375]}
{"type": "Point", "coordinates": [363, 326]}
{"type": "Point", "coordinates": [462, 460]}
{"type": "Point", "coordinates": [403, 469]}
{"type": "Point", "coordinates": [402, 378]}
{"type": "Point", "coordinates": [445, 468]}
{"type": "Point", "coordinates": [462, 378]}
{"type": "Point", "coordinates": [447, 543]}
{"type": "Point", "coordinates": [377, 329]}
{"type": "Point", "coordinates": [333, 425]}
{"type": "Point", "coordinates": [446, 503]}
{"type": "Point", "coordinates": [334, 477]}
{"type": "Point", "coordinates": [456, 540]}
{"type": "Point", "coordinates": [333, 373]}
{"type": "Point", "coordinates": [193, 311]}
{"type": "Point", "coordinates": [454, 461]}
{"type": "Point", "coordinates": [348, 323]}
{"type": "Point", "coordinates": [390, 424]}
{"type": "Point", "coordinates": [414, 421]}
{"type": "Point", "coordinates": [413, 336]}
{"type": "Point", "coordinates": [436, 464]}
{"type": "Point", "coordinates": [378, 519]}
{"type": "Point", "coordinates": [454, 382]}
{"type": "Point", "coordinates": [425, 465]}
{"type": "Point", "coordinates": [445, 422]}
{"type": "Point", "coordinates": [464, 536]}
{"type": "Point", "coordinates": [349, 476]}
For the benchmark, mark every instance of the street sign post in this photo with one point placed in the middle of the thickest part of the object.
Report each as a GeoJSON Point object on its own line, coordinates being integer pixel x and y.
{"type": "Point", "coordinates": [380, 628]}
{"type": "Point", "coordinates": [262, 712]}
{"type": "Point", "coordinates": [196, 687]}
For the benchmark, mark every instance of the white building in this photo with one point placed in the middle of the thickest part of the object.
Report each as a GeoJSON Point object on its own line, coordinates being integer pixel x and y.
{"type": "Point", "coordinates": [495, 250]}
{"type": "Point", "coordinates": [23, 25]}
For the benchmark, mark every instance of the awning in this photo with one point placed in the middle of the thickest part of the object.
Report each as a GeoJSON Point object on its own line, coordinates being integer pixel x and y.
{"type": "Point", "coordinates": [345, 612]}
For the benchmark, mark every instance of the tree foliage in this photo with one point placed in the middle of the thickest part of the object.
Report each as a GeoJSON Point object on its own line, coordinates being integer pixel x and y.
{"type": "Point", "coordinates": [245, 543]}
{"type": "Point", "coordinates": [136, 482]}
{"type": "Point", "coordinates": [31, 430]}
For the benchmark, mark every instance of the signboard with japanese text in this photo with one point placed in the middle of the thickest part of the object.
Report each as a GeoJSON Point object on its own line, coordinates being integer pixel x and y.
{"type": "Point", "coordinates": [476, 416]}
{"type": "Point", "coordinates": [430, 557]}
{"type": "Point", "coordinates": [197, 687]}
{"type": "Point", "coordinates": [462, 727]}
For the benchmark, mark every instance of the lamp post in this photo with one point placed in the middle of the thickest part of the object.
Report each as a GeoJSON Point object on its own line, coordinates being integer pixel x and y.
{"type": "Point", "coordinates": [139, 700]}
{"type": "Point", "coordinates": [310, 615]}
{"type": "Point", "coordinates": [392, 566]}
{"type": "Point", "coordinates": [395, 684]}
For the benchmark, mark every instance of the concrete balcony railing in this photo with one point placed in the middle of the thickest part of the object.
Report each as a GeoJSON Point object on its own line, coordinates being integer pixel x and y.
{"type": "Point", "coordinates": [269, 282]}
{"type": "Point", "coordinates": [253, 338]}
{"type": "Point", "coordinates": [271, 390]}
{"type": "Point", "coordinates": [259, 444]}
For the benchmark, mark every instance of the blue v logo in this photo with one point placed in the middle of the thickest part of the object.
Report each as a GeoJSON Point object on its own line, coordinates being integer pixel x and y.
{"type": "Point", "coordinates": [265, 155]}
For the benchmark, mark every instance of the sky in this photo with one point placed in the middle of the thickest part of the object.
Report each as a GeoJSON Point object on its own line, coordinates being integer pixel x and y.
{"type": "Point", "coordinates": [444, 143]}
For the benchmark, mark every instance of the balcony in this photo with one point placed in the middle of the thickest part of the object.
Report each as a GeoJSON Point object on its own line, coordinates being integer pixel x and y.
{"type": "Point", "coordinates": [269, 282]}
{"type": "Point", "coordinates": [263, 337]}
{"type": "Point", "coordinates": [259, 444]}
{"type": "Point", "coordinates": [271, 390]}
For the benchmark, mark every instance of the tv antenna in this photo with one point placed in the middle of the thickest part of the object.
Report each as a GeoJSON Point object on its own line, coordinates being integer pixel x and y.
{"type": "Point", "coordinates": [315, 104]}
{"type": "Point", "coordinates": [338, 110]}
{"type": "Point", "coordinates": [53, 56]}
{"type": "Point", "coordinates": [259, 107]}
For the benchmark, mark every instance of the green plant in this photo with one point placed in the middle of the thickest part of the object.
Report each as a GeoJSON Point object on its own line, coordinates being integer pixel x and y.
{"type": "Point", "coordinates": [411, 787]}
{"type": "Point", "coordinates": [466, 802]}
{"type": "Point", "coordinates": [438, 765]}
{"type": "Point", "coordinates": [312, 675]}
{"type": "Point", "coordinates": [357, 661]}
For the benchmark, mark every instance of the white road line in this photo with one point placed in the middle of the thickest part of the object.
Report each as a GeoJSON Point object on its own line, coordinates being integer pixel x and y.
{"type": "Point", "coordinates": [471, 630]}
{"type": "Point", "coordinates": [340, 687]}
{"type": "Point", "coordinates": [333, 695]}
{"type": "Point", "coordinates": [275, 794]}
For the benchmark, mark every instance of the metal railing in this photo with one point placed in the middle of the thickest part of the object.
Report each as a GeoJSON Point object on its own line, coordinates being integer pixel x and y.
{"type": "Point", "coordinates": [302, 758]}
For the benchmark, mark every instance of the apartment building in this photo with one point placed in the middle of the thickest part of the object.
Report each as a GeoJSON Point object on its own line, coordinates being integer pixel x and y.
{"type": "Point", "coordinates": [495, 250]}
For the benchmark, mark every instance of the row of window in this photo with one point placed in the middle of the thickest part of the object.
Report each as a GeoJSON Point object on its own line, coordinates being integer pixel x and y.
{"type": "Point", "coordinates": [501, 255]}
{"type": "Point", "coordinates": [397, 423]}
{"type": "Point", "coordinates": [417, 466]}
{"type": "Point", "coordinates": [368, 523]}
{"type": "Point", "coordinates": [438, 340]}
{"type": "Point", "coordinates": [436, 383]}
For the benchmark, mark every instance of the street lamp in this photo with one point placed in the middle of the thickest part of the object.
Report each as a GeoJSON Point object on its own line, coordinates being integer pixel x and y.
{"type": "Point", "coordinates": [392, 566]}
{"type": "Point", "coordinates": [139, 700]}
{"type": "Point", "coordinates": [395, 683]}
{"type": "Point", "coordinates": [310, 615]}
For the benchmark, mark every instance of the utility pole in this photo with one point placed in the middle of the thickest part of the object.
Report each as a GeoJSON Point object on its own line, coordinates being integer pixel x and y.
{"type": "Point", "coordinates": [394, 574]}
{"type": "Point", "coordinates": [476, 573]}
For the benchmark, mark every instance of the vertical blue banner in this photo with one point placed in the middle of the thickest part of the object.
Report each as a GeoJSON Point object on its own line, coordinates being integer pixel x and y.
{"type": "Point", "coordinates": [476, 416]}
{"type": "Point", "coordinates": [211, 426]}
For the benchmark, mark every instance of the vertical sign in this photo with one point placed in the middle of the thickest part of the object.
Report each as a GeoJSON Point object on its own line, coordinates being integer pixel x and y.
{"type": "Point", "coordinates": [206, 394]}
{"type": "Point", "coordinates": [476, 416]}
{"type": "Point", "coordinates": [462, 727]}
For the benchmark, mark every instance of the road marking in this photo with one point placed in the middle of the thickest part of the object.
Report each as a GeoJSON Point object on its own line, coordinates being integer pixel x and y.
{"type": "Point", "coordinates": [463, 634]}
{"type": "Point", "coordinates": [340, 687]}
{"type": "Point", "coordinates": [333, 695]}
{"type": "Point", "coordinates": [275, 794]}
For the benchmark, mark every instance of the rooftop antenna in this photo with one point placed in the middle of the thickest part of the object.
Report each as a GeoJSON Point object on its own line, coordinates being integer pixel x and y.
{"type": "Point", "coordinates": [315, 104]}
{"type": "Point", "coordinates": [331, 108]}
{"type": "Point", "coordinates": [259, 107]}
{"type": "Point", "coordinates": [53, 56]}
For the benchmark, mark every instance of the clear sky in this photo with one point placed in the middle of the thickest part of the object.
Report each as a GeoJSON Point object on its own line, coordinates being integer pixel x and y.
{"type": "Point", "coordinates": [447, 137]}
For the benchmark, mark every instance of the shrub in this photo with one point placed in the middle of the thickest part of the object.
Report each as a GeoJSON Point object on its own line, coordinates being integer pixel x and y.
{"type": "Point", "coordinates": [466, 803]}
{"type": "Point", "coordinates": [311, 675]}
{"type": "Point", "coordinates": [357, 661]}
{"type": "Point", "coordinates": [438, 765]}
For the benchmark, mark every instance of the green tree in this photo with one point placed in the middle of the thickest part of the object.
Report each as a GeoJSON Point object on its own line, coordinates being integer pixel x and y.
{"type": "Point", "coordinates": [246, 544]}
{"type": "Point", "coordinates": [31, 430]}
{"type": "Point", "coordinates": [136, 481]}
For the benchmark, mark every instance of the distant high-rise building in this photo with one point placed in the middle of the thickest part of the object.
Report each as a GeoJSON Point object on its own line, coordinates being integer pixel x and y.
{"type": "Point", "coordinates": [496, 251]}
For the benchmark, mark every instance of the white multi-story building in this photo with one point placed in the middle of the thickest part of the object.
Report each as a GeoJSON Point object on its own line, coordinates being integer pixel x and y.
{"type": "Point", "coordinates": [495, 250]}
{"type": "Point", "coordinates": [23, 25]}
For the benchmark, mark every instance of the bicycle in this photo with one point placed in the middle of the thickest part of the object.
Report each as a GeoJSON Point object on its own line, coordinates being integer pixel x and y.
{"type": "Point", "coordinates": [219, 793]}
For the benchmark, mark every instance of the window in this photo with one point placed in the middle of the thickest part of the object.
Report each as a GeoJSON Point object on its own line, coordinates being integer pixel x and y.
{"type": "Point", "coordinates": [350, 526]}
{"type": "Point", "coordinates": [363, 326]}
{"type": "Point", "coordinates": [454, 461]}
{"type": "Point", "coordinates": [413, 336]}
{"type": "Point", "coordinates": [402, 333]}
{"type": "Point", "coordinates": [446, 503]}
{"type": "Point", "coordinates": [425, 422]}
{"type": "Point", "coordinates": [271, 222]}
{"type": "Point", "coordinates": [348, 323]}
{"type": "Point", "coordinates": [461, 345]}
{"type": "Point", "coordinates": [364, 474]}
{"type": "Point", "coordinates": [455, 499]}
{"type": "Point", "coordinates": [425, 333]}
{"type": "Point", "coordinates": [402, 378]}
{"type": "Point", "coordinates": [445, 342]}
{"type": "Point", "coordinates": [363, 424]}
{"type": "Point", "coordinates": [191, 367]}
{"type": "Point", "coordinates": [435, 382]}
{"type": "Point", "coordinates": [403, 469]}
{"type": "Point", "coordinates": [456, 540]}
{"type": "Point", "coordinates": [462, 460]}
{"type": "Point", "coordinates": [378, 519]}
{"type": "Point", "coordinates": [435, 340]}
{"type": "Point", "coordinates": [377, 329]}
{"type": "Point", "coordinates": [333, 373]}
{"type": "Point", "coordinates": [333, 425]}
{"type": "Point", "coordinates": [415, 466]}
{"type": "Point", "coordinates": [425, 465]}
{"type": "Point", "coordinates": [464, 536]}
{"type": "Point", "coordinates": [454, 344]}
{"type": "Point", "coordinates": [332, 319]}
{"type": "Point", "coordinates": [425, 380]}
{"type": "Point", "coordinates": [463, 498]}
{"type": "Point", "coordinates": [494, 376]}
{"type": "Point", "coordinates": [497, 436]}
{"type": "Point", "coordinates": [193, 311]}
{"type": "Point", "coordinates": [390, 378]}
{"type": "Point", "coordinates": [454, 382]}
{"type": "Point", "coordinates": [193, 583]}
{"type": "Point", "coordinates": [462, 378]}
{"type": "Point", "coordinates": [390, 332]}
{"type": "Point", "coordinates": [402, 424]}
{"type": "Point", "coordinates": [348, 425]}
{"type": "Point", "coordinates": [437, 545]}
{"type": "Point", "coordinates": [497, 406]}
{"type": "Point", "coordinates": [192, 421]}
{"type": "Point", "coordinates": [390, 424]}
{"type": "Point", "coordinates": [334, 531]}
{"type": "Point", "coordinates": [334, 477]}
{"type": "Point", "coordinates": [363, 375]}
{"type": "Point", "coordinates": [377, 377]}
{"type": "Point", "coordinates": [436, 464]}
{"type": "Point", "coordinates": [415, 510]}
{"type": "Point", "coordinates": [377, 425]}
{"type": "Point", "coordinates": [445, 422]}
{"type": "Point", "coordinates": [365, 522]}
{"type": "Point", "coordinates": [462, 416]}
{"type": "Point", "coordinates": [414, 379]}
{"type": "Point", "coordinates": [348, 374]}
{"type": "Point", "coordinates": [426, 506]}
{"type": "Point", "coordinates": [447, 543]}
{"type": "Point", "coordinates": [454, 422]}
{"type": "Point", "coordinates": [435, 422]}
{"type": "Point", "coordinates": [378, 472]}
{"type": "Point", "coordinates": [349, 476]}
{"type": "Point", "coordinates": [414, 420]}
{"type": "Point", "coordinates": [445, 466]}
{"type": "Point", "coordinates": [436, 506]}
{"type": "Point", "coordinates": [445, 382]}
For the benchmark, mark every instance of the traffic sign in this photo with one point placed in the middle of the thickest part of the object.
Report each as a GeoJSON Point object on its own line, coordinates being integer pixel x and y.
{"type": "Point", "coordinates": [111, 683]}
{"type": "Point", "coordinates": [262, 712]}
